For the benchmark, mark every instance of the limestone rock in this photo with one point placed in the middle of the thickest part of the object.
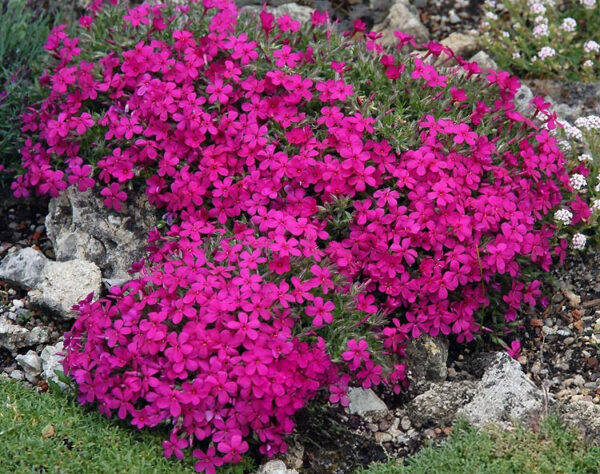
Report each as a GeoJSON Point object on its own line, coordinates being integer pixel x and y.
{"type": "Point", "coordinates": [23, 267]}
{"type": "Point", "coordinates": [275, 467]}
{"type": "Point", "coordinates": [365, 402]}
{"type": "Point", "coordinates": [582, 416]}
{"type": "Point", "coordinates": [31, 364]}
{"type": "Point", "coordinates": [484, 61]}
{"type": "Point", "coordinates": [405, 18]}
{"type": "Point", "coordinates": [504, 394]}
{"type": "Point", "coordinates": [14, 337]}
{"type": "Point", "coordinates": [427, 359]}
{"type": "Point", "coordinates": [463, 44]}
{"type": "Point", "coordinates": [439, 404]}
{"type": "Point", "coordinates": [522, 98]}
{"type": "Point", "coordinates": [52, 360]}
{"type": "Point", "coordinates": [81, 227]}
{"type": "Point", "coordinates": [63, 284]}
{"type": "Point", "coordinates": [296, 12]}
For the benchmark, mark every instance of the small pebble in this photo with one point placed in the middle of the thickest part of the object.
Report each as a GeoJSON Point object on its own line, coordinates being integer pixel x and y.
{"type": "Point", "coordinates": [405, 424]}
{"type": "Point", "coordinates": [18, 304]}
{"type": "Point", "coordinates": [569, 340]}
{"type": "Point", "coordinates": [17, 375]}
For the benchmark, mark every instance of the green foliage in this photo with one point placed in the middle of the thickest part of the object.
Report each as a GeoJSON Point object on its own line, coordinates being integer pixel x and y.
{"type": "Point", "coordinates": [514, 34]}
{"type": "Point", "coordinates": [51, 432]}
{"type": "Point", "coordinates": [23, 32]}
{"type": "Point", "coordinates": [551, 450]}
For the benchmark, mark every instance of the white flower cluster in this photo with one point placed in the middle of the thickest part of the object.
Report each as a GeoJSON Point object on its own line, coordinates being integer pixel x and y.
{"type": "Point", "coordinates": [572, 132]}
{"type": "Point", "coordinates": [596, 205]}
{"type": "Point", "coordinates": [579, 241]}
{"type": "Point", "coordinates": [491, 15]}
{"type": "Point", "coordinates": [564, 216]}
{"type": "Point", "coordinates": [591, 47]}
{"type": "Point", "coordinates": [564, 145]}
{"type": "Point", "coordinates": [537, 8]}
{"type": "Point", "coordinates": [588, 4]}
{"type": "Point", "coordinates": [591, 122]}
{"type": "Point", "coordinates": [516, 55]}
{"type": "Point", "coordinates": [506, 34]}
{"type": "Point", "coordinates": [540, 19]}
{"type": "Point", "coordinates": [546, 52]}
{"type": "Point", "coordinates": [569, 25]}
{"type": "Point", "coordinates": [584, 157]}
{"type": "Point", "coordinates": [540, 30]}
{"type": "Point", "coordinates": [588, 63]}
{"type": "Point", "coordinates": [577, 181]}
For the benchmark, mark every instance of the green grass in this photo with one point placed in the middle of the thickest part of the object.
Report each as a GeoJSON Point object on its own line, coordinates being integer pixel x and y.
{"type": "Point", "coordinates": [52, 433]}
{"type": "Point", "coordinates": [553, 449]}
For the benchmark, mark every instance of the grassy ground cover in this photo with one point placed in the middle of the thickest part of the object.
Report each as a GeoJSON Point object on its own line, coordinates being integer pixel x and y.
{"type": "Point", "coordinates": [553, 449]}
{"type": "Point", "coordinates": [51, 432]}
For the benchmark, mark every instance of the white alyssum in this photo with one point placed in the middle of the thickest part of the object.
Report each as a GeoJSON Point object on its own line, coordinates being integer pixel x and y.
{"type": "Point", "coordinates": [569, 25]}
{"type": "Point", "coordinates": [588, 4]}
{"type": "Point", "coordinates": [584, 157]}
{"type": "Point", "coordinates": [572, 132]}
{"type": "Point", "coordinates": [591, 47]}
{"type": "Point", "coordinates": [546, 52]}
{"type": "Point", "coordinates": [564, 145]}
{"type": "Point", "coordinates": [596, 205]}
{"type": "Point", "coordinates": [588, 63]}
{"type": "Point", "coordinates": [563, 216]}
{"type": "Point", "coordinates": [579, 241]}
{"type": "Point", "coordinates": [577, 181]}
{"type": "Point", "coordinates": [541, 30]}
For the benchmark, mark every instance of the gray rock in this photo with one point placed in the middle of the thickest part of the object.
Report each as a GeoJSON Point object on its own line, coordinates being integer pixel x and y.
{"type": "Point", "coordinates": [504, 394]}
{"type": "Point", "coordinates": [403, 17]}
{"type": "Point", "coordinates": [17, 375]}
{"type": "Point", "coordinates": [582, 416]}
{"type": "Point", "coordinates": [14, 337]}
{"type": "Point", "coordinates": [439, 404]}
{"type": "Point", "coordinates": [81, 227]}
{"type": "Point", "coordinates": [64, 284]}
{"type": "Point", "coordinates": [522, 99]}
{"type": "Point", "coordinates": [366, 402]}
{"type": "Point", "coordinates": [296, 12]}
{"type": "Point", "coordinates": [31, 364]}
{"type": "Point", "coordinates": [427, 359]}
{"type": "Point", "coordinates": [275, 467]}
{"type": "Point", "coordinates": [484, 61]}
{"type": "Point", "coordinates": [463, 44]}
{"type": "Point", "coordinates": [23, 267]}
{"type": "Point", "coordinates": [52, 360]}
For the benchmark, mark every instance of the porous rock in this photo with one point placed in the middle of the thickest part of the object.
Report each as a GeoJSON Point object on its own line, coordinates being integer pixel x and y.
{"type": "Point", "coordinates": [439, 404]}
{"type": "Point", "coordinates": [275, 467]}
{"type": "Point", "coordinates": [427, 359]}
{"type": "Point", "coordinates": [463, 44]}
{"type": "Point", "coordinates": [64, 284]}
{"type": "Point", "coordinates": [296, 12]}
{"type": "Point", "coordinates": [14, 337]}
{"type": "Point", "coordinates": [503, 395]}
{"type": "Point", "coordinates": [81, 227]}
{"type": "Point", "coordinates": [23, 268]}
{"type": "Point", "coordinates": [52, 358]}
{"type": "Point", "coordinates": [31, 364]}
{"type": "Point", "coordinates": [403, 17]}
{"type": "Point", "coordinates": [365, 402]}
{"type": "Point", "coordinates": [522, 98]}
{"type": "Point", "coordinates": [582, 416]}
{"type": "Point", "coordinates": [485, 61]}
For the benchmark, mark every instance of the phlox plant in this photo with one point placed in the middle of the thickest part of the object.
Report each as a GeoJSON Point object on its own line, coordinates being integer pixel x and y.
{"type": "Point", "coordinates": [324, 201]}
{"type": "Point", "coordinates": [544, 38]}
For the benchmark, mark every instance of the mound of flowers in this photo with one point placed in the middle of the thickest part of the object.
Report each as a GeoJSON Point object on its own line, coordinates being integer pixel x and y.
{"type": "Point", "coordinates": [324, 201]}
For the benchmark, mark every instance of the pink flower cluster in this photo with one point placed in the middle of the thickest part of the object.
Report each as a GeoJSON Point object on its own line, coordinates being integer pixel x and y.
{"type": "Point", "coordinates": [255, 297]}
